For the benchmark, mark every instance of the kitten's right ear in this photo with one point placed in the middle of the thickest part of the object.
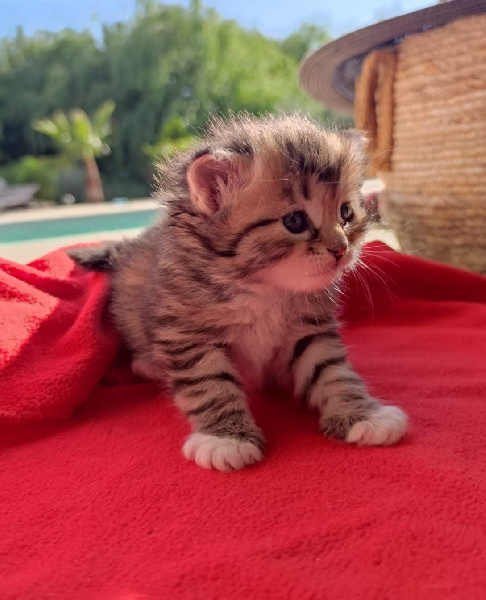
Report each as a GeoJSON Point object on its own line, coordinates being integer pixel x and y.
{"type": "Point", "coordinates": [357, 137]}
{"type": "Point", "coordinates": [209, 179]}
{"type": "Point", "coordinates": [359, 147]}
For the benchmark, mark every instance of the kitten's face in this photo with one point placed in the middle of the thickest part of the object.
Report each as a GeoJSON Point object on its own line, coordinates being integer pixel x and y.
{"type": "Point", "coordinates": [302, 232]}
{"type": "Point", "coordinates": [277, 201]}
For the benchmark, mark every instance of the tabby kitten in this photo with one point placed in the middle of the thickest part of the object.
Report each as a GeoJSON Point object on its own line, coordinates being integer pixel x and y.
{"type": "Point", "coordinates": [234, 287]}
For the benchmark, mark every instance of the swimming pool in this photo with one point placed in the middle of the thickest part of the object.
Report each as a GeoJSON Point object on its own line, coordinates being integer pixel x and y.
{"type": "Point", "coordinates": [27, 234]}
{"type": "Point", "coordinates": [74, 225]}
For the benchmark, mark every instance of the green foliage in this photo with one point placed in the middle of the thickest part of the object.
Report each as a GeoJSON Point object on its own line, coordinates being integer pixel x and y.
{"type": "Point", "coordinates": [32, 169]}
{"type": "Point", "coordinates": [308, 37]}
{"type": "Point", "coordinates": [124, 186]}
{"type": "Point", "coordinates": [167, 65]}
{"type": "Point", "coordinates": [41, 74]}
{"type": "Point", "coordinates": [75, 135]}
{"type": "Point", "coordinates": [174, 136]}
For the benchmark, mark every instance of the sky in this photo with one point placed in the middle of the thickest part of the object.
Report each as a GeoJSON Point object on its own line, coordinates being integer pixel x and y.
{"type": "Point", "coordinates": [276, 18]}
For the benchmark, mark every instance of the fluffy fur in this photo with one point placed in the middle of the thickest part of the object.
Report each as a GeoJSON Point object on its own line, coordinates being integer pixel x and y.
{"type": "Point", "coordinates": [234, 287]}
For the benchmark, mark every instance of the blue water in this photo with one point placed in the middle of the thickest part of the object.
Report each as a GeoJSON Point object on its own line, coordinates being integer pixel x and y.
{"type": "Point", "coordinates": [65, 226]}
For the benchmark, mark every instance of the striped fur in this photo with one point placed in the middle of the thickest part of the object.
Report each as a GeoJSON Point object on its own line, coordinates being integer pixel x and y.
{"type": "Point", "coordinates": [219, 297]}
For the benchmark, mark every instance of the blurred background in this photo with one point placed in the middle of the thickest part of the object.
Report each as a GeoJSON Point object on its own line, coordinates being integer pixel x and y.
{"type": "Point", "coordinates": [92, 93]}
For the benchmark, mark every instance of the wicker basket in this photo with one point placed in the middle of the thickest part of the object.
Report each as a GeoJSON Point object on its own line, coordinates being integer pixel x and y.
{"type": "Point", "coordinates": [428, 139]}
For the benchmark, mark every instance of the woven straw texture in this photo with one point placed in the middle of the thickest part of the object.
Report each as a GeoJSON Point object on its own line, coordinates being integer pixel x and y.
{"type": "Point", "coordinates": [374, 106]}
{"type": "Point", "coordinates": [435, 197]}
{"type": "Point", "coordinates": [445, 228]}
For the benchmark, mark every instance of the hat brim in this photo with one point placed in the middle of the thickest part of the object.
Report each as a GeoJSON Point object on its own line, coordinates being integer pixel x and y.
{"type": "Point", "coordinates": [328, 74]}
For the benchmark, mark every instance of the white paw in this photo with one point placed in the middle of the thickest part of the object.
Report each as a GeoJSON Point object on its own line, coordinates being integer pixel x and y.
{"type": "Point", "coordinates": [221, 453]}
{"type": "Point", "coordinates": [383, 427]}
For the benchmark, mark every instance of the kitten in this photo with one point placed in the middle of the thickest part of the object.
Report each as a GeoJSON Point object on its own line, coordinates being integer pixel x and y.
{"type": "Point", "coordinates": [235, 286]}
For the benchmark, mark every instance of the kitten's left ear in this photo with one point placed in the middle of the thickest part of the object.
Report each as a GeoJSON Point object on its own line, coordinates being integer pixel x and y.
{"type": "Point", "coordinates": [212, 179]}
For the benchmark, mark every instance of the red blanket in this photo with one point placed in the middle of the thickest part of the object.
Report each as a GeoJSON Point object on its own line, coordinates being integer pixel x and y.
{"type": "Point", "coordinates": [101, 506]}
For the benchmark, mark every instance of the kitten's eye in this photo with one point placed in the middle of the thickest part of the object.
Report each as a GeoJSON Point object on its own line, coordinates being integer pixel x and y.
{"type": "Point", "coordinates": [296, 222]}
{"type": "Point", "coordinates": [346, 212]}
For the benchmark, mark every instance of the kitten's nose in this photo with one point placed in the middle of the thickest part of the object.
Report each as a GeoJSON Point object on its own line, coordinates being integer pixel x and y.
{"type": "Point", "coordinates": [338, 251]}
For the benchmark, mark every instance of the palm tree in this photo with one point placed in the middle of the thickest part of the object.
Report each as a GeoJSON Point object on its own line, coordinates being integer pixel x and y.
{"type": "Point", "coordinates": [175, 136]}
{"type": "Point", "coordinates": [80, 138]}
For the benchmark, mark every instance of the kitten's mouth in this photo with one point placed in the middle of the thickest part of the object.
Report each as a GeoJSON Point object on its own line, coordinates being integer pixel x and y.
{"type": "Point", "coordinates": [328, 273]}
{"type": "Point", "coordinates": [324, 269]}
{"type": "Point", "coordinates": [321, 276]}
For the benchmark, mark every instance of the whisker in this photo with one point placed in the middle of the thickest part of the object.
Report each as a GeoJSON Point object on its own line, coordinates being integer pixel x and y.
{"type": "Point", "coordinates": [366, 290]}
{"type": "Point", "coordinates": [379, 255]}
{"type": "Point", "coordinates": [384, 151]}
{"type": "Point", "coordinates": [380, 276]}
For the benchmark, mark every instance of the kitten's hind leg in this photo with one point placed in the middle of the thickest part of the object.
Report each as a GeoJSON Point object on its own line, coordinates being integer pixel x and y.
{"type": "Point", "coordinates": [98, 257]}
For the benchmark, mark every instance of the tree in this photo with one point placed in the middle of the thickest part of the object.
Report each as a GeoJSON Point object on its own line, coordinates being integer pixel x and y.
{"type": "Point", "coordinates": [167, 63]}
{"type": "Point", "coordinates": [308, 37]}
{"type": "Point", "coordinates": [173, 137]}
{"type": "Point", "coordinates": [78, 138]}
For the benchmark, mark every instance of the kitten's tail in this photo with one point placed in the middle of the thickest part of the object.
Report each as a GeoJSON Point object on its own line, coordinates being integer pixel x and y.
{"type": "Point", "coordinates": [101, 257]}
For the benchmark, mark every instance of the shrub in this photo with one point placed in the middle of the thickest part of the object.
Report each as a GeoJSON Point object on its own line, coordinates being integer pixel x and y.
{"type": "Point", "coordinates": [31, 169]}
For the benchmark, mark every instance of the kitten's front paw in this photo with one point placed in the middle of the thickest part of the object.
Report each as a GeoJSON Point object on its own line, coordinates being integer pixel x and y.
{"type": "Point", "coordinates": [221, 453]}
{"type": "Point", "coordinates": [384, 426]}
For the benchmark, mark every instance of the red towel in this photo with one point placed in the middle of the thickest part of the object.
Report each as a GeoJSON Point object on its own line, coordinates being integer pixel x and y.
{"type": "Point", "coordinates": [56, 342]}
{"type": "Point", "coordinates": [101, 506]}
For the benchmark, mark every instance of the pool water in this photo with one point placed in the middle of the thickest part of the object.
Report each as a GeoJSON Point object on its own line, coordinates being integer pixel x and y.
{"type": "Point", "coordinates": [66, 226]}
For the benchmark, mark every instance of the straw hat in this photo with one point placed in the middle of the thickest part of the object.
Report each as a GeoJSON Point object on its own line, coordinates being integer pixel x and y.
{"type": "Point", "coordinates": [417, 85]}
{"type": "Point", "coordinates": [329, 73]}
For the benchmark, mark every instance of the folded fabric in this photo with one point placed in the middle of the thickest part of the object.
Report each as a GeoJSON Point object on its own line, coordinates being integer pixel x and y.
{"type": "Point", "coordinates": [55, 340]}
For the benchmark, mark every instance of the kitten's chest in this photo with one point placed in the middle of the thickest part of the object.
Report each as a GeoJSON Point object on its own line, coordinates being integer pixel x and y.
{"type": "Point", "coordinates": [258, 341]}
